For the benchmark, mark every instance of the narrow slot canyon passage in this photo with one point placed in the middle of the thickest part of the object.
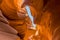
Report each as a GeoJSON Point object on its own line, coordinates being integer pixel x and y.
{"type": "Point", "coordinates": [29, 19]}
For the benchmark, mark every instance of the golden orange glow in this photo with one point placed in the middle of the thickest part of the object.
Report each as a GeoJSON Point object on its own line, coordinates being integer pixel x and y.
{"type": "Point", "coordinates": [18, 3]}
{"type": "Point", "coordinates": [45, 33]}
{"type": "Point", "coordinates": [43, 28]}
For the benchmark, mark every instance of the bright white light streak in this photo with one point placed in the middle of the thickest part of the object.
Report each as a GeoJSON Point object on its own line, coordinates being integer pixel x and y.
{"type": "Point", "coordinates": [29, 14]}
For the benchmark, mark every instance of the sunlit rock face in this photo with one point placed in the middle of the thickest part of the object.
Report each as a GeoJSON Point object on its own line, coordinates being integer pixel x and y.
{"type": "Point", "coordinates": [10, 8]}
{"type": "Point", "coordinates": [15, 16]}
